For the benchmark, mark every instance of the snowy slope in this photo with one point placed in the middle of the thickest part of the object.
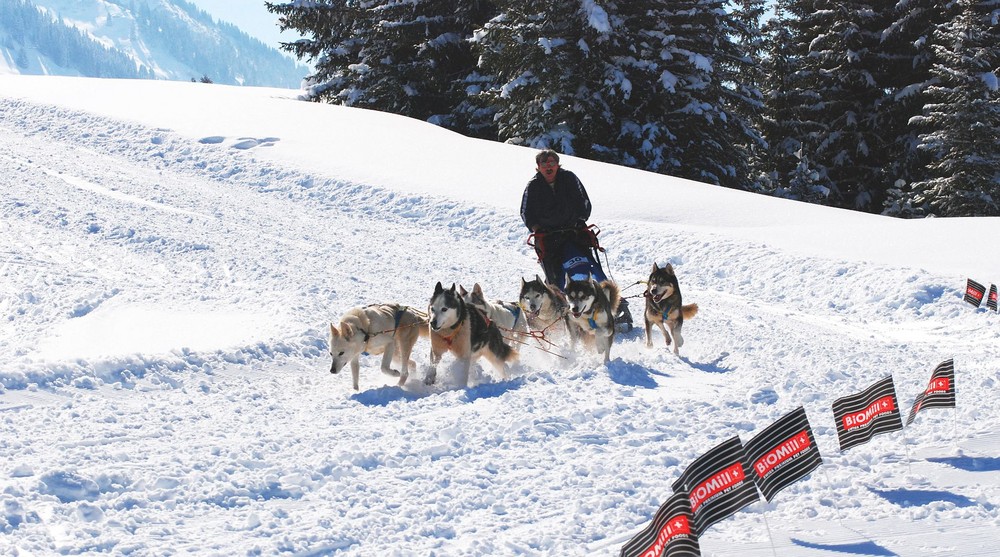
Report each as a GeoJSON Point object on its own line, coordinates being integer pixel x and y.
{"type": "Point", "coordinates": [168, 275]}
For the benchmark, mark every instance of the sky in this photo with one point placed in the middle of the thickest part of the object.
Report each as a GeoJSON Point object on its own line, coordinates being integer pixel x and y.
{"type": "Point", "coordinates": [170, 269]}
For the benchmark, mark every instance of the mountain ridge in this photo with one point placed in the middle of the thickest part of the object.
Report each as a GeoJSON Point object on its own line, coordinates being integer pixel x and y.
{"type": "Point", "coordinates": [158, 39]}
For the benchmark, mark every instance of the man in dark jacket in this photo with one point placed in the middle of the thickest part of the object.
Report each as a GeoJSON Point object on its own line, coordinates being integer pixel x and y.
{"type": "Point", "coordinates": [555, 207]}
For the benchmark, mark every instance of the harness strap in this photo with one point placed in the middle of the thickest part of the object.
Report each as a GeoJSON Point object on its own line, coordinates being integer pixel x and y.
{"type": "Point", "coordinates": [451, 338]}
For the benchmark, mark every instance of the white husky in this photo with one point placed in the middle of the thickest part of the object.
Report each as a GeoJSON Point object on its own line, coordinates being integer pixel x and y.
{"type": "Point", "coordinates": [387, 329]}
{"type": "Point", "coordinates": [507, 315]}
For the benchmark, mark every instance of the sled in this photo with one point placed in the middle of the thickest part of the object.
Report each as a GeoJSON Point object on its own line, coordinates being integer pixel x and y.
{"type": "Point", "coordinates": [581, 259]}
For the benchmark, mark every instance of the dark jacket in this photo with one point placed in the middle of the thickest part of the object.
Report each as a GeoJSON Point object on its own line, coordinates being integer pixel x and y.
{"type": "Point", "coordinates": [564, 204]}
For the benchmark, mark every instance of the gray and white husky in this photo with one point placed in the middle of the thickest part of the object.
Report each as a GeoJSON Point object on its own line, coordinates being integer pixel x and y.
{"type": "Point", "coordinates": [591, 317]}
{"type": "Point", "coordinates": [544, 306]}
{"type": "Point", "coordinates": [463, 330]}
{"type": "Point", "coordinates": [387, 329]}
{"type": "Point", "coordinates": [507, 315]}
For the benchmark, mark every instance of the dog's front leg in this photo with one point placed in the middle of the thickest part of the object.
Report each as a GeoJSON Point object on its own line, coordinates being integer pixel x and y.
{"type": "Point", "coordinates": [605, 344]}
{"type": "Point", "coordinates": [649, 332]}
{"type": "Point", "coordinates": [464, 365]}
{"type": "Point", "coordinates": [431, 376]}
{"type": "Point", "coordinates": [355, 372]}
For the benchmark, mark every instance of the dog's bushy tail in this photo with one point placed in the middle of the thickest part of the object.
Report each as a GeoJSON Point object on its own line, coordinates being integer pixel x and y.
{"type": "Point", "coordinates": [689, 310]}
{"type": "Point", "coordinates": [614, 295]}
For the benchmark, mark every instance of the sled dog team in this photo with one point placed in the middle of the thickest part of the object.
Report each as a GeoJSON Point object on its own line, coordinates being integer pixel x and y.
{"type": "Point", "coordinates": [470, 327]}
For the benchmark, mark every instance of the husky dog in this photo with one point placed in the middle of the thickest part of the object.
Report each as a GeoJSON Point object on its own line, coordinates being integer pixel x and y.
{"type": "Point", "coordinates": [592, 309]}
{"type": "Point", "coordinates": [387, 329]}
{"type": "Point", "coordinates": [507, 315]}
{"type": "Point", "coordinates": [464, 331]}
{"type": "Point", "coordinates": [664, 306]}
{"type": "Point", "coordinates": [544, 306]}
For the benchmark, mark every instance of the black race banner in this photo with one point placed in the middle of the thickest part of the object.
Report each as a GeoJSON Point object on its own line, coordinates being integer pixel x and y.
{"type": "Point", "coordinates": [940, 391]}
{"type": "Point", "coordinates": [991, 300]}
{"type": "Point", "coordinates": [783, 453]}
{"type": "Point", "coordinates": [717, 484]}
{"type": "Point", "coordinates": [974, 292]}
{"type": "Point", "coordinates": [864, 415]}
{"type": "Point", "coordinates": [669, 534]}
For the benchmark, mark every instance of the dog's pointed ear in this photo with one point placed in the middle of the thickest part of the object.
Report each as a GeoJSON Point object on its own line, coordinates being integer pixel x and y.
{"type": "Point", "coordinates": [477, 290]}
{"type": "Point", "coordinates": [669, 268]}
{"type": "Point", "coordinates": [538, 278]}
{"type": "Point", "coordinates": [523, 282]}
{"type": "Point", "coordinates": [333, 330]}
{"type": "Point", "coordinates": [346, 330]}
{"type": "Point", "coordinates": [462, 290]}
{"type": "Point", "coordinates": [655, 268]}
{"type": "Point", "coordinates": [438, 289]}
{"type": "Point", "coordinates": [453, 287]}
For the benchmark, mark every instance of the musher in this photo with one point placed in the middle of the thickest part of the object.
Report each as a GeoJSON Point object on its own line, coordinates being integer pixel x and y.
{"type": "Point", "coordinates": [555, 208]}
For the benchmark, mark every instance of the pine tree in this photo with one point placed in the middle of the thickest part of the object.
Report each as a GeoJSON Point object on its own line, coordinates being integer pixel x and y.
{"type": "Point", "coordinates": [548, 58]}
{"type": "Point", "coordinates": [406, 57]}
{"type": "Point", "coordinates": [845, 67]}
{"type": "Point", "coordinates": [748, 83]}
{"type": "Point", "coordinates": [962, 117]}
{"type": "Point", "coordinates": [908, 55]}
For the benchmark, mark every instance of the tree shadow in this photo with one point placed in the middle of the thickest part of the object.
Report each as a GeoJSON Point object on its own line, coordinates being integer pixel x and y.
{"type": "Point", "coordinates": [970, 464]}
{"type": "Point", "coordinates": [917, 497]}
{"type": "Point", "coordinates": [715, 366]}
{"type": "Point", "coordinates": [860, 548]}
{"type": "Point", "coordinates": [632, 374]}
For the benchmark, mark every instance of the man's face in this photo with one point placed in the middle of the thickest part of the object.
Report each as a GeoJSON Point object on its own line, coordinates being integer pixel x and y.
{"type": "Point", "coordinates": [548, 168]}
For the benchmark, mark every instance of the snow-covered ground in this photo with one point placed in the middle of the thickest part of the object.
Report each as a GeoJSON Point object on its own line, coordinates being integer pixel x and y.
{"type": "Point", "coordinates": [171, 255]}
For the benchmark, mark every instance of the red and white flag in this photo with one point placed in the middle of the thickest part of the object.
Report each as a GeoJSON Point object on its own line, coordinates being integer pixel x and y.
{"type": "Point", "coordinates": [783, 453]}
{"type": "Point", "coordinates": [940, 391]}
{"type": "Point", "coordinates": [974, 292]}
{"type": "Point", "coordinates": [991, 300]}
{"type": "Point", "coordinates": [670, 533]}
{"type": "Point", "coordinates": [867, 414]}
{"type": "Point", "coordinates": [718, 485]}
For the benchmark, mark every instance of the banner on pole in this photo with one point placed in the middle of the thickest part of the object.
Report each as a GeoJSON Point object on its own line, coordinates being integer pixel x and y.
{"type": "Point", "coordinates": [940, 391]}
{"type": "Point", "coordinates": [991, 300]}
{"type": "Point", "coordinates": [783, 453]}
{"type": "Point", "coordinates": [974, 292]}
{"type": "Point", "coordinates": [862, 416]}
{"type": "Point", "coordinates": [717, 484]}
{"type": "Point", "coordinates": [669, 534]}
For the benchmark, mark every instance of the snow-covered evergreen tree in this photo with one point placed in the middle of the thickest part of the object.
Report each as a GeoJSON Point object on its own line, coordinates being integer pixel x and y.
{"type": "Point", "coordinates": [548, 60]}
{"type": "Point", "coordinates": [844, 65]}
{"type": "Point", "coordinates": [409, 57]}
{"type": "Point", "coordinates": [907, 50]}
{"type": "Point", "coordinates": [962, 116]}
{"type": "Point", "coordinates": [787, 129]}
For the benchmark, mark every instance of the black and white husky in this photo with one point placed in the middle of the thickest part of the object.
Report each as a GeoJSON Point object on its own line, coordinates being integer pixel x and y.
{"type": "Point", "coordinates": [464, 331]}
{"type": "Point", "coordinates": [591, 316]}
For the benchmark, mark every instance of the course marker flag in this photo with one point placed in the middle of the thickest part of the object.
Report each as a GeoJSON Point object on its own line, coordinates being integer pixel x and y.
{"type": "Point", "coordinates": [991, 300]}
{"type": "Point", "coordinates": [940, 392]}
{"type": "Point", "coordinates": [783, 453]}
{"type": "Point", "coordinates": [717, 484]}
{"type": "Point", "coordinates": [867, 414]}
{"type": "Point", "coordinates": [669, 534]}
{"type": "Point", "coordinates": [974, 292]}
